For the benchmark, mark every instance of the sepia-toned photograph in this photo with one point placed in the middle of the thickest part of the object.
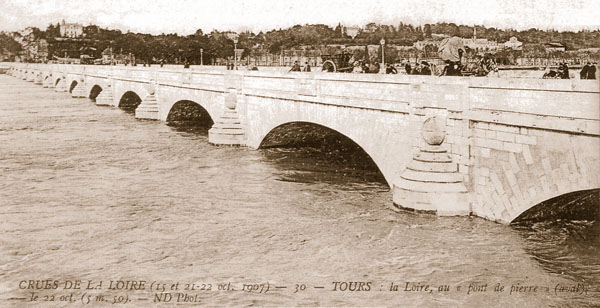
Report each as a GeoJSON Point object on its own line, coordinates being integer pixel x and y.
{"type": "Point", "coordinates": [299, 153]}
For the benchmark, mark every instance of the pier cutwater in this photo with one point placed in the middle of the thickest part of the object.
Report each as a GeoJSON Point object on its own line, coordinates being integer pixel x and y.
{"type": "Point", "coordinates": [489, 147]}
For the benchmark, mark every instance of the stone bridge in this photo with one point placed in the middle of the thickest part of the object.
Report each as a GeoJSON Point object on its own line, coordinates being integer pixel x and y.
{"type": "Point", "coordinates": [491, 147]}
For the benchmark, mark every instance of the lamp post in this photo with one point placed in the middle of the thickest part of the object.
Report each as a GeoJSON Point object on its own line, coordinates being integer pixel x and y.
{"type": "Point", "coordinates": [201, 60]}
{"type": "Point", "coordinates": [382, 69]}
{"type": "Point", "coordinates": [235, 41]}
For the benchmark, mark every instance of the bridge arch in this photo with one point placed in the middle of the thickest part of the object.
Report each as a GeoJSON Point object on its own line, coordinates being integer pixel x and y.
{"type": "Point", "coordinates": [56, 80]}
{"type": "Point", "coordinates": [72, 86]}
{"type": "Point", "coordinates": [94, 92]}
{"type": "Point", "coordinates": [338, 144]}
{"type": "Point", "coordinates": [189, 113]}
{"type": "Point", "coordinates": [129, 101]}
{"type": "Point", "coordinates": [390, 149]}
{"type": "Point", "coordinates": [576, 205]}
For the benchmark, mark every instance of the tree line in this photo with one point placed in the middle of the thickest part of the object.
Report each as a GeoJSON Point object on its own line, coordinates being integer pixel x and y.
{"type": "Point", "coordinates": [175, 48]}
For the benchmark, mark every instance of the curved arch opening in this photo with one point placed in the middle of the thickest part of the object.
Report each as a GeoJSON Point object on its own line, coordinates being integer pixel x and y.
{"type": "Point", "coordinates": [57, 81]}
{"type": "Point", "coordinates": [94, 92]}
{"type": "Point", "coordinates": [316, 153]}
{"type": "Point", "coordinates": [46, 78]}
{"type": "Point", "coordinates": [578, 205]}
{"type": "Point", "coordinates": [562, 234]}
{"type": "Point", "coordinates": [189, 116]}
{"type": "Point", "coordinates": [129, 101]}
{"type": "Point", "coordinates": [73, 85]}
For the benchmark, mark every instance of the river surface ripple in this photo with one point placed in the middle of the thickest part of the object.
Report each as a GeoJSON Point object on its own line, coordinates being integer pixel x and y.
{"type": "Point", "coordinates": [90, 192]}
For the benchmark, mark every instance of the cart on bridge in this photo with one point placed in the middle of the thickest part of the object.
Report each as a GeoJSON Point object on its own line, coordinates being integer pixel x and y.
{"type": "Point", "coordinates": [337, 63]}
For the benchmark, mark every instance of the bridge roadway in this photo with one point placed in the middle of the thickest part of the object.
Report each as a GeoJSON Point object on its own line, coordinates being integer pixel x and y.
{"type": "Point", "coordinates": [491, 147]}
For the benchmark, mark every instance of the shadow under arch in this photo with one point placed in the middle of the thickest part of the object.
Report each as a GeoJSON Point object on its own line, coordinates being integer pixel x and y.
{"type": "Point", "coordinates": [73, 85]}
{"type": "Point", "coordinates": [94, 92]}
{"type": "Point", "coordinates": [319, 154]}
{"type": "Point", "coordinates": [57, 81]}
{"type": "Point", "coordinates": [129, 101]}
{"type": "Point", "coordinates": [562, 234]}
{"type": "Point", "coordinates": [189, 116]}
{"type": "Point", "coordinates": [577, 205]}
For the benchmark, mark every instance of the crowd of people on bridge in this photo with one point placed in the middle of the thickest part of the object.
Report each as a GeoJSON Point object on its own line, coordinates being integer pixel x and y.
{"type": "Point", "coordinates": [562, 72]}
{"type": "Point", "coordinates": [420, 68]}
{"type": "Point", "coordinates": [483, 65]}
{"type": "Point", "coordinates": [296, 67]}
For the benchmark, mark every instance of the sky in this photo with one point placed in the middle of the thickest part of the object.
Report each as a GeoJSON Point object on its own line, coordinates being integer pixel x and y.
{"type": "Point", "coordinates": [185, 16]}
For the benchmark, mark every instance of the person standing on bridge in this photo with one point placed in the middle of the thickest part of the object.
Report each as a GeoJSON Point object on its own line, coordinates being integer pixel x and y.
{"type": "Point", "coordinates": [407, 68]}
{"type": "Point", "coordinates": [307, 67]}
{"type": "Point", "coordinates": [390, 69]}
{"type": "Point", "coordinates": [295, 67]}
{"type": "Point", "coordinates": [425, 69]}
{"type": "Point", "coordinates": [588, 71]}
{"type": "Point", "coordinates": [357, 67]}
{"type": "Point", "coordinates": [564, 69]}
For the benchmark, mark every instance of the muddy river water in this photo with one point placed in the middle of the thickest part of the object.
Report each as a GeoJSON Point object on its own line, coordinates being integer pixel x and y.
{"type": "Point", "coordinates": [91, 193]}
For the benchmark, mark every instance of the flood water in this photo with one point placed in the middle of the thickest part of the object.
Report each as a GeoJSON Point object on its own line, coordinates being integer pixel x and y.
{"type": "Point", "coordinates": [91, 193]}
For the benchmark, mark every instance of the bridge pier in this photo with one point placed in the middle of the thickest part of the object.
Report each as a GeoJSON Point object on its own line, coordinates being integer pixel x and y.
{"type": "Point", "coordinates": [48, 82]}
{"type": "Point", "coordinates": [106, 97]}
{"type": "Point", "coordinates": [228, 129]}
{"type": "Point", "coordinates": [38, 78]}
{"type": "Point", "coordinates": [148, 108]}
{"type": "Point", "coordinates": [431, 181]}
{"type": "Point", "coordinates": [61, 86]}
{"type": "Point", "coordinates": [79, 90]}
{"type": "Point", "coordinates": [436, 178]}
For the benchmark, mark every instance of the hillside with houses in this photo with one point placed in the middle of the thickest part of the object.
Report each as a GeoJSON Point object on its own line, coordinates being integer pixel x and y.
{"type": "Point", "coordinates": [74, 42]}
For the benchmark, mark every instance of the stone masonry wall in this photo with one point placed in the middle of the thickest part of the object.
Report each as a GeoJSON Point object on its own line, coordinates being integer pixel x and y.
{"type": "Point", "coordinates": [517, 167]}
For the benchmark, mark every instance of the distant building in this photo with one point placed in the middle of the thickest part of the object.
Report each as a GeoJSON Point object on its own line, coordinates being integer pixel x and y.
{"type": "Point", "coordinates": [480, 45]}
{"type": "Point", "coordinates": [439, 36]}
{"type": "Point", "coordinates": [352, 31]}
{"type": "Point", "coordinates": [513, 43]}
{"type": "Point", "coordinates": [370, 27]}
{"type": "Point", "coordinates": [550, 47]}
{"type": "Point", "coordinates": [35, 50]}
{"type": "Point", "coordinates": [107, 55]}
{"type": "Point", "coordinates": [420, 45]}
{"type": "Point", "coordinates": [71, 30]}
{"type": "Point", "coordinates": [231, 35]}
{"type": "Point", "coordinates": [26, 32]}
